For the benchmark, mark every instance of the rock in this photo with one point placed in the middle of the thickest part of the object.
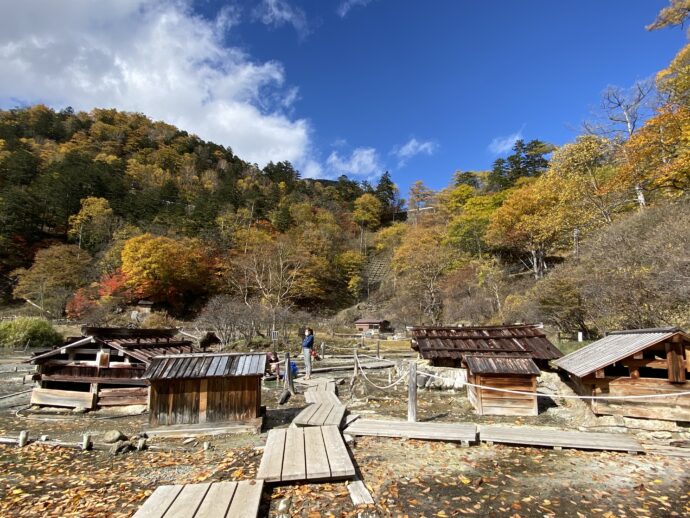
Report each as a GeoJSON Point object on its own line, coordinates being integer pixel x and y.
{"type": "Point", "coordinates": [284, 507]}
{"type": "Point", "coordinates": [43, 438]}
{"type": "Point", "coordinates": [121, 447]}
{"type": "Point", "coordinates": [348, 439]}
{"type": "Point", "coordinates": [79, 410]}
{"type": "Point", "coordinates": [189, 440]}
{"type": "Point", "coordinates": [662, 435]}
{"type": "Point", "coordinates": [207, 446]}
{"type": "Point", "coordinates": [141, 444]}
{"type": "Point", "coordinates": [113, 436]}
{"type": "Point", "coordinates": [422, 380]}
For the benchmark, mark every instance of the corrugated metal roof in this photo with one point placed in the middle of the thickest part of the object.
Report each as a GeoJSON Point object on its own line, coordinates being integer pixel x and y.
{"type": "Point", "coordinates": [491, 364]}
{"type": "Point", "coordinates": [612, 348]}
{"type": "Point", "coordinates": [455, 342]}
{"type": "Point", "coordinates": [147, 348]}
{"type": "Point", "coordinates": [206, 365]}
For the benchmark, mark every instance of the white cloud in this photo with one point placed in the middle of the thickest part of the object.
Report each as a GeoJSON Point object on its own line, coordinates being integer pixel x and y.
{"type": "Point", "coordinates": [279, 12]}
{"type": "Point", "coordinates": [347, 5]}
{"type": "Point", "coordinates": [151, 56]}
{"type": "Point", "coordinates": [361, 162]}
{"type": "Point", "coordinates": [500, 145]}
{"type": "Point", "coordinates": [411, 148]}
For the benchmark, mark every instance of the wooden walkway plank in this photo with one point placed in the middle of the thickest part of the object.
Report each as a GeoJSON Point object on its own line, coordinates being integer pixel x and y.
{"type": "Point", "coordinates": [336, 416]}
{"type": "Point", "coordinates": [188, 501]}
{"type": "Point", "coordinates": [272, 459]}
{"type": "Point", "coordinates": [294, 462]}
{"type": "Point", "coordinates": [319, 418]}
{"type": "Point", "coordinates": [338, 458]}
{"type": "Point", "coordinates": [463, 432]}
{"type": "Point", "coordinates": [559, 438]}
{"type": "Point", "coordinates": [217, 501]}
{"type": "Point", "coordinates": [245, 503]}
{"type": "Point", "coordinates": [359, 494]}
{"type": "Point", "coordinates": [303, 417]}
{"type": "Point", "coordinates": [317, 458]}
{"type": "Point", "coordinates": [159, 502]}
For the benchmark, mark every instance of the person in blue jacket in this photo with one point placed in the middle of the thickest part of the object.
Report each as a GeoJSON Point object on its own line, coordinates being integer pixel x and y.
{"type": "Point", "coordinates": [307, 346]}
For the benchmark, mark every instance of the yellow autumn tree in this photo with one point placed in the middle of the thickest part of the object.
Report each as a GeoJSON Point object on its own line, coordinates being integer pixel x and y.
{"type": "Point", "coordinates": [167, 270]}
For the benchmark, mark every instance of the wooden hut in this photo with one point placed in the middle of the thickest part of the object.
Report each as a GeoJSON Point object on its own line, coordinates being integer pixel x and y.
{"type": "Point", "coordinates": [205, 388]}
{"type": "Point", "coordinates": [504, 373]}
{"type": "Point", "coordinates": [504, 357]}
{"type": "Point", "coordinates": [635, 363]}
{"type": "Point", "coordinates": [447, 346]}
{"type": "Point", "coordinates": [103, 367]}
{"type": "Point", "coordinates": [373, 324]}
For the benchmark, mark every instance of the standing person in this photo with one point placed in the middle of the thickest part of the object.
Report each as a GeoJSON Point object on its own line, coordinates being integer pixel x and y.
{"type": "Point", "coordinates": [307, 346]}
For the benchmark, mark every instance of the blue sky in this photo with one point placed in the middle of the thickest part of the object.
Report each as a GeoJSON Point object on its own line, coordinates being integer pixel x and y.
{"type": "Point", "coordinates": [339, 86]}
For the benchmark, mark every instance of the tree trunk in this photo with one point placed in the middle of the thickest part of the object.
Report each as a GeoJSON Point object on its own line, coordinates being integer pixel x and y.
{"type": "Point", "coordinates": [639, 192]}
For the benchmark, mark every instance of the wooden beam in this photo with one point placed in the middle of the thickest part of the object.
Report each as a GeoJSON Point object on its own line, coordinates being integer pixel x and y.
{"type": "Point", "coordinates": [203, 400]}
{"type": "Point", "coordinates": [412, 394]}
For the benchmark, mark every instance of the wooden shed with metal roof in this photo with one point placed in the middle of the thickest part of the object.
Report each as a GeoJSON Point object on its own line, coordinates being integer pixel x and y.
{"type": "Point", "coordinates": [103, 367]}
{"type": "Point", "coordinates": [634, 363]}
{"type": "Point", "coordinates": [205, 388]}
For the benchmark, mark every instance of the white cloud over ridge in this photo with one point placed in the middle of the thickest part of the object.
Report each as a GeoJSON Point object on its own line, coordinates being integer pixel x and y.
{"type": "Point", "coordinates": [280, 12]}
{"type": "Point", "coordinates": [412, 148]}
{"type": "Point", "coordinates": [363, 161]}
{"type": "Point", "coordinates": [500, 145]}
{"type": "Point", "coordinates": [347, 5]}
{"type": "Point", "coordinates": [156, 57]}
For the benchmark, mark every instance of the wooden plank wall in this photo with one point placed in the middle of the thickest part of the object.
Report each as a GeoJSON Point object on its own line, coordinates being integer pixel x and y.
{"type": "Point", "coordinates": [205, 400]}
{"type": "Point", "coordinates": [669, 409]}
{"type": "Point", "coordinates": [491, 402]}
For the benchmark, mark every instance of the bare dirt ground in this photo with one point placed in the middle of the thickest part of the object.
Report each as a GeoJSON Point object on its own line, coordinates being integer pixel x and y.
{"type": "Point", "coordinates": [406, 477]}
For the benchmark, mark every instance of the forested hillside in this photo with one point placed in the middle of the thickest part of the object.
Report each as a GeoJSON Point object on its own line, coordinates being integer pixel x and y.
{"type": "Point", "coordinates": [101, 209]}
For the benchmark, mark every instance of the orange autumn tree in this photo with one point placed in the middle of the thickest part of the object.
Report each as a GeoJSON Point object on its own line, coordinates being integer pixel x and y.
{"type": "Point", "coordinates": [166, 270]}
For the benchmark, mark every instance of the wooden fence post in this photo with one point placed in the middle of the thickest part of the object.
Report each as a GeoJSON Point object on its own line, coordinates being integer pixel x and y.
{"type": "Point", "coordinates": [412, 394]}
{"type": "Point", "coordinates": [289, 383]}
{"type": "Point", "coordinates": [378, 349]}
{"type": "Point", "coordinates": [86, 442]}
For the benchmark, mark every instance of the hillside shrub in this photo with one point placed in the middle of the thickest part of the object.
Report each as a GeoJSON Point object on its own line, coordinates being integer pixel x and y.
{"type": "Point", "coordinates": [31, 331]}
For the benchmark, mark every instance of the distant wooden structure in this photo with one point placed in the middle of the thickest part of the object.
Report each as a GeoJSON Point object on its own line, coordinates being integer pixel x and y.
{"type": "Point", "coordinates": [502, 373]}
{"type": "Point", "coordinates": [505, 357]}
{"type": "Point", "coordinates": [205, 388]}
{"type": "Point", "coordinates": [374, 325]}
{"type": "Point", "coordinates": [634, 363]}
{"type": "Point", "coordinates": [103, 367]}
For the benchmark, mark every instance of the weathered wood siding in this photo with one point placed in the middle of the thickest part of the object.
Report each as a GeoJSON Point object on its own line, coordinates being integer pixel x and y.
{"type": "Point", "coordinates": [668, 409]}
{"type": "Point", "coordinates": [491, 402]}
{"type": "Point", "coordinates": [185, 401]}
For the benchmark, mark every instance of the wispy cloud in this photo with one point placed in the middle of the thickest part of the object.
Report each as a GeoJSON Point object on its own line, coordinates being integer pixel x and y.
{"type": "Point", "coordinates": [500, 145]}
{"type": "Point", "coordinates": [413, 147]}
{"type": "Point", "coordinates": [279, 12]}
{"type": "Point", "coordinates": [363, 161]}
{"type": "Point", "coordinates": [347, 5]}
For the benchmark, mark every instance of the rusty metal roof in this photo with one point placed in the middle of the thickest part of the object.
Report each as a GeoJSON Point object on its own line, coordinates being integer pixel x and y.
{"type": "Point", "coordinates": [456, 342]}
{"type": "Point", "coordinates": [614, 347]}
{"type": "Point", "coordinates": [491, 364]}
{"type": "Point", "coordinates": [206, 365]}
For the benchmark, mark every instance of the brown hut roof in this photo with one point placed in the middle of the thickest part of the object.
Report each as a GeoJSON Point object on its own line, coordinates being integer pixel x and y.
{"type": "Point", "coordinates": [490, 364]}
{"type": "Point", "coordinates": [614, 347]}
{"type": "Point", "coordinates": [523, 340]}
{"type": "Point", "coordinates": [206, 365]}
{"type": "Point", "coordinates": [141, 344]}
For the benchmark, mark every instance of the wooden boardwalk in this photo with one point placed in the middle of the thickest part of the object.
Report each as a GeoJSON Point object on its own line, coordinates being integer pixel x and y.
{"type": "Point", "coordinates": [217, 500]}
{"type": "Point", "coordinates": [321, 414]}
{"type": "Point", "coordinates": [311, 453]}
{"type": "Point", "coordinates": [321, 390]}
{"type": "Point", "coordinates": [459, 432]}
{"type": "Point", "coordinates": [555, 438]}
